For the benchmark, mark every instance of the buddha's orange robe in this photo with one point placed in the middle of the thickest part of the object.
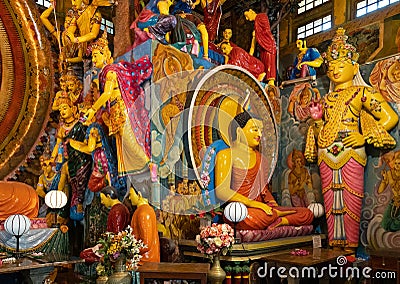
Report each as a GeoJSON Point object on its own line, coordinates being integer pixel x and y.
{"type": "Point", "coordinates": [18, 198]}
{"type": "Point", "coordinates": [252, 183]}
{"type": "Point", "coordinates": [144, 224]}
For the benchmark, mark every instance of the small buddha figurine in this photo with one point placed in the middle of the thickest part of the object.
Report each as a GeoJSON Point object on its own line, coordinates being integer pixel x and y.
{"type": "Point", "coordinates": [144, 225]}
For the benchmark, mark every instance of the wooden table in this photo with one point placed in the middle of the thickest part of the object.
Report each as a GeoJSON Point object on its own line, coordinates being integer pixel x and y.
{"type": "Point", "coordinates": [316, 258]}
{"type": "Point", "coordinates": [388, 260]}
{"type": "Point", "coordinates": [168, 271]}
{"type": "Point", "coordinates": [37, 269]}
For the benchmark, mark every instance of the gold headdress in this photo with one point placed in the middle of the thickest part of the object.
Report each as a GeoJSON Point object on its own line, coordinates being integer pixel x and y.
{"type": "Point", "coordinates": [101, 44]}
{"type": "Point", "coordinates": [339, 48]}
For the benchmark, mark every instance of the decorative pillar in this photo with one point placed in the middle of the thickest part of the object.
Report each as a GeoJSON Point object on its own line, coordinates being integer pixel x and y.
{"type": "Point", "coordinates": [123, 38]}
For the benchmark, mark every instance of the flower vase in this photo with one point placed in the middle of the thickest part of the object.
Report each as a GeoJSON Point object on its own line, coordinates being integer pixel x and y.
{"type": "Point", "coordinates": [120, 275]}
{"type": "Point", "coordinates": [102, 279]}
{"type": "Point", "coordinates": [216, 275]}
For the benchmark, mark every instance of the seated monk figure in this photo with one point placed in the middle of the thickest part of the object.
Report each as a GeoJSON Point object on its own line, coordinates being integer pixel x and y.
{"type": "Point", "coordinates": [18, 198]}
{"type": "Point", "coordinates": [118, 217]}
{"type": "Point", "coordinates": [236, 55]}
{"type": "Point", "coordinates": [240, 177]}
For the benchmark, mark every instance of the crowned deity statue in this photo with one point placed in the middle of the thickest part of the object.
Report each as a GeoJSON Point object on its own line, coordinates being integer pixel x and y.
{"type": "Point", "coordinates": [126, 116]}
{"type": "Point", "coordinates": [351, 115]}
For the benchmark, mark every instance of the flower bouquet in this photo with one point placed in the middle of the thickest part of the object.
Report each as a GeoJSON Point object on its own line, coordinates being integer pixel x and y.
{"type": "Point", "coordinates": [215, 240]}
{"type": "Point", "coordinates": [113, 246]}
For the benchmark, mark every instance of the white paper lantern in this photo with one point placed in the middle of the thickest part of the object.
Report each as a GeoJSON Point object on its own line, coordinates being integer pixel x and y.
{"type": "Point", "coordinates": [317, 209]}
{"type": "Point", "coordinates": [235, 212]}
{"type": "Point", "coordinates": [17, 225]}
{"type": "Point", "coordinates": [55, 199]}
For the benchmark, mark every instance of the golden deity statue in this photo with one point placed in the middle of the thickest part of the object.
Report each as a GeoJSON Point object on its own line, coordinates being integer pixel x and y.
{"type": "Point", "coordinates": [349, 116]}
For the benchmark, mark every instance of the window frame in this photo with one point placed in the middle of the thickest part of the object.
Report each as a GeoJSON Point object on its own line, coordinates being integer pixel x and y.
{"type": "Point", "coordinates": [104, 22]}
{"type": "Point", "coordinates": [310, 16]}
{"type": "Point", "coordinates": [43, 2]}
{"type": "Point", "coordinates": [379, 10]}
{"type": "Point", "coordinates": [313, 22]}
{"type": "Point", "coordinates": [314, 6]}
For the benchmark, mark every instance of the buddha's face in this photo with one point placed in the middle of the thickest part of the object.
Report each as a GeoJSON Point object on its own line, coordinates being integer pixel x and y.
{"type": "Point", "coordinates": [253, 132]}
{"type": "Point", "coordinates": [66, 111]}
{"type": "Point", "coordinates": [227, 34]}
{"type": "Point", "coordinates": [98, 58]}
{"type": "Point", "coordinates": [342, 70]}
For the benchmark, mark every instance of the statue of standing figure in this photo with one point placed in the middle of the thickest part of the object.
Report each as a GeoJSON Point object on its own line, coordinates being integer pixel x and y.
{"type": "Point", "coordinates": [336, 132]}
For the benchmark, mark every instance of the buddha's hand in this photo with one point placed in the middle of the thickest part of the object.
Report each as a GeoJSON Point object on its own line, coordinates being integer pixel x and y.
{"type": "Point", "coordinates": [315, 110]}
{"type": "Point", "coordinates": [256, 204]}
{"type": "Point", "coordinates": [354, 140]}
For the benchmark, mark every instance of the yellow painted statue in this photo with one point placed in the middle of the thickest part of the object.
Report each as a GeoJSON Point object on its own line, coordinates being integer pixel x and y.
{"type": "Point", "coordinates": [126, 117]}
{"type": "Point", "coordinates": [349, 116]}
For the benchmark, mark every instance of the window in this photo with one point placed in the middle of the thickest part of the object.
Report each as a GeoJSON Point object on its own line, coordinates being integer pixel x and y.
{"type": "Point", "coordinates": [368, 6]}
{"type": "Point", "coordinates": [306, 5]}
{"type": "Point", "coordinates": [314, 27]}
{"type": "Point", "coordinates": [44, 3]}
{"type": "Point", "coordinates": [106, 24]}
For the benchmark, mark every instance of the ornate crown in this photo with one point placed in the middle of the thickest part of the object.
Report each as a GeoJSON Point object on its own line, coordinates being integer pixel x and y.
{"type": "Point", "coordinates": [339, 48]}
{"type": "Point", "coordinates": [101, 44]}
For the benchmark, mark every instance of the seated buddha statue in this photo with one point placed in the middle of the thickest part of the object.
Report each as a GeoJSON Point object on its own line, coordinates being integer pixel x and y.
{"type": "Point", "coordinates": [240, 177]}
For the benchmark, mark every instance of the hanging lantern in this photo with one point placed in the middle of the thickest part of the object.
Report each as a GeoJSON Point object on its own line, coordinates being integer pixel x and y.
{"type": "Point", "coordinates": [317, 209]}
{"type": "Point", "coordinates": [235, 212]}
{"type": "Point", "coordinates": [17, 225]}
{"type": "Point", "coordinates": [55, 199]}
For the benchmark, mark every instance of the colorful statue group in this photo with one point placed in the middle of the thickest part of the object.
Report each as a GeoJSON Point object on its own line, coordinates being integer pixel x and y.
{"type": "Point", "coordinates": [102, 139]}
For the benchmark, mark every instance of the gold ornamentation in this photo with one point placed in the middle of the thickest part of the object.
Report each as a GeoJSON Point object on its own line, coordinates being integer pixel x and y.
{"type": "Point", "coordinates": [339, 48]}
{"type": "Point", "coordinates": [374, 133]}
{"type": "Point", "coordinates": [101, 44]}
{"type": "Point", "coordinates": [310, 152]}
